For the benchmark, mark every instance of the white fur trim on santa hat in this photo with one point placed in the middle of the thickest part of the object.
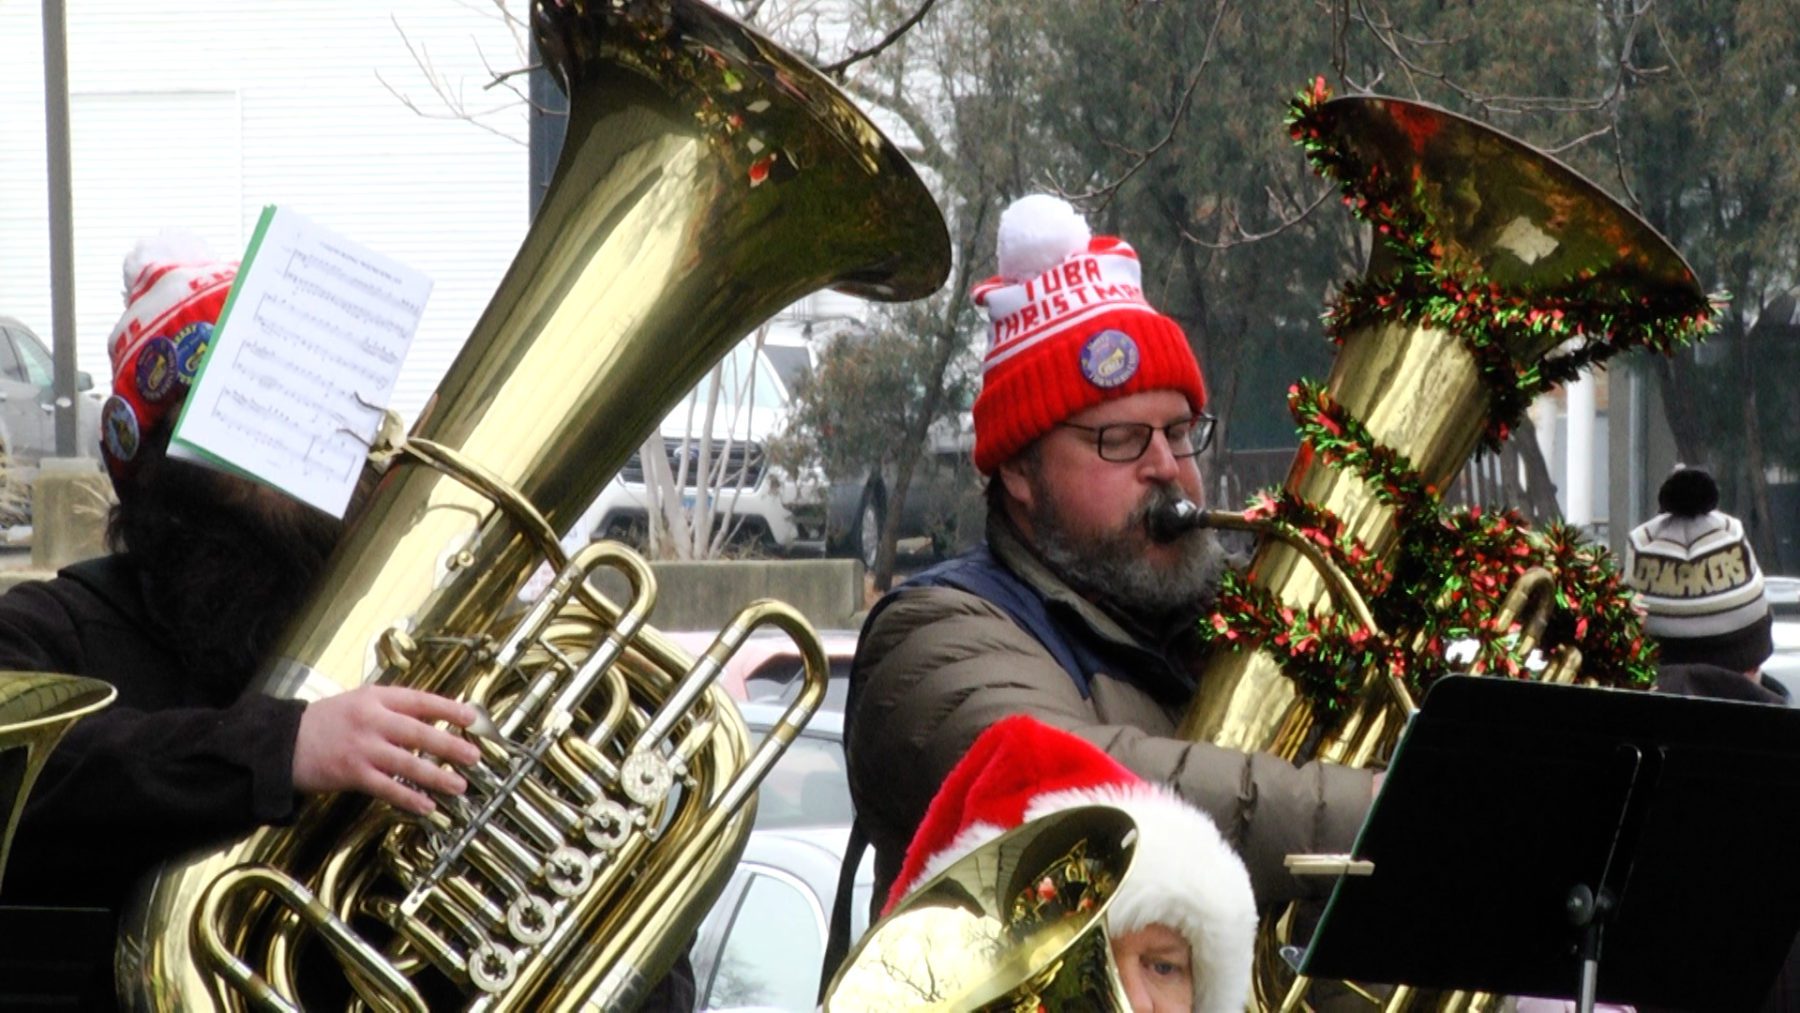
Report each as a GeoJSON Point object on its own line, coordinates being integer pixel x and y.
{"type": "Point", "coordinates": [1185, 876]}
{"type": "Point", "coordinates": [1037, 233]}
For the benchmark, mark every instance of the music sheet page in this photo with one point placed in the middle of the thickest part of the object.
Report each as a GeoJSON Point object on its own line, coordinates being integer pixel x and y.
{"type": "Point", "coordinates": [303, 361]}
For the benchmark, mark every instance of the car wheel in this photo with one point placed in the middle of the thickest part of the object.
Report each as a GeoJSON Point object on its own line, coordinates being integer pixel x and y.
{"type": "Point", "coordinates": [866, 535]}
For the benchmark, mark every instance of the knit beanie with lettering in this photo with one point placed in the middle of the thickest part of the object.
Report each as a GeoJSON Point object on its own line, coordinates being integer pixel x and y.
{"type": "Point", "coordinates": [1698, 580]}
{"type": "Point", "coordinates": [174, 293]}
{"type": "Point", "coordinates": [1070, 328]}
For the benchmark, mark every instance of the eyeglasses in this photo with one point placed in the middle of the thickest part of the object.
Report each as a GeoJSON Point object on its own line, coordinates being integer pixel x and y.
{"type": "Point", "coordinates": [1124, 442]}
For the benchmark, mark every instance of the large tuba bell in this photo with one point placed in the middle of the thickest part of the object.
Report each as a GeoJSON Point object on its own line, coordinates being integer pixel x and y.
{"type": "Point", "coordinates": [36, 708]}
{"type": "Point", "coordinates": [708, 179]}
{"type": "Point", "coordinates": [1017, 924]}
{"type": "Point", "coordinates": [1504, 225]}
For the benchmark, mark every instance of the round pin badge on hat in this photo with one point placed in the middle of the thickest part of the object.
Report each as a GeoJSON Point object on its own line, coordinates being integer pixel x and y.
{"type": "Point", "coordinates": [1109, 358]}
{"type": "Point", "coordinates": [190, 348]}
{"type": "Point", "coordinates": [119, 428]}
{"type": "Point", "coordinates": [156, 369]}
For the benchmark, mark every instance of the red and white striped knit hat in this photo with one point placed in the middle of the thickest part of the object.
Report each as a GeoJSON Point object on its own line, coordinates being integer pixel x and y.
{"type": "Point", "coordinates": [1183, 874]}
{"type": "Point", "coordinates": [1070, 329]}
{"type": "Point", "coordinates": [174, 293]}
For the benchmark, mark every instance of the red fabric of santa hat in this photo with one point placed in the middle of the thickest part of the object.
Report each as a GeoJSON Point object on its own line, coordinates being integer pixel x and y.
{"type": "Point", "coordinates": [1183, 875]}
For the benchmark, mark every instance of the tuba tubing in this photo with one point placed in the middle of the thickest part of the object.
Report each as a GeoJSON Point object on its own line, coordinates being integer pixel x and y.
{"type": "Point", "coordinates": [708, 179]}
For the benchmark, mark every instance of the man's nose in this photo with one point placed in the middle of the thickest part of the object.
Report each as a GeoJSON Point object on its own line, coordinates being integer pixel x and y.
{"type": "Point", "coordinates": [1159, 463]}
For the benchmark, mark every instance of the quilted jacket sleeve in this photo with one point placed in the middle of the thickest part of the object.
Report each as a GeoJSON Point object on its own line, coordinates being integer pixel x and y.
{"type": "Point", "coordinates": [940, 665]}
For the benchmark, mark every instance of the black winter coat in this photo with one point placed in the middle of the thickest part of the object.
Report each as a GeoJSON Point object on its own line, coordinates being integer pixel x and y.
{"type": "Point", "coordinates": [163, 770]}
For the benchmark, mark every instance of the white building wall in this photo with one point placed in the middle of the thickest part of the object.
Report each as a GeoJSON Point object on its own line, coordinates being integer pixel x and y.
{"type": "Point", "coordinates": [197, 113]}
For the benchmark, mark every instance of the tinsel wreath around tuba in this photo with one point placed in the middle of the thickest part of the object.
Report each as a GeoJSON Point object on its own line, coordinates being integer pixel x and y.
{"type": "Point", "coordinates": [1496, 271]}
{"type": "Point", "coordinates": [707, 180]}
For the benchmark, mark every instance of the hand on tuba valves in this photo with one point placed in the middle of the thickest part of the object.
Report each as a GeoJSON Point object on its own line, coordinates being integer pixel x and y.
{"type": "Point", "coordinates": [384, 741]}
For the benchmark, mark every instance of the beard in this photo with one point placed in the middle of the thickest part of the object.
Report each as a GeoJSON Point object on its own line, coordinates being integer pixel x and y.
{"type": "Point", "coordinates": [225, 563]}
{"type": "Point", "coordinates": [1114, 567]}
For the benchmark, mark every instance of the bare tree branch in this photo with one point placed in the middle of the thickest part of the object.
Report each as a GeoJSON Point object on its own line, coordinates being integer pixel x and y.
{"type": "Point", "coordinates": [451, 97]}
{"type": "Point", "coordinates": [837, 69]}
{"type": "Point", "coordinates": [1395, 42]}
{"type": "Point", "coordinates": [1578, 141]}
{"type": "Point", "coordinates": [1244, 237]}
{"type": "Point", "coordinates": [1142, 158]}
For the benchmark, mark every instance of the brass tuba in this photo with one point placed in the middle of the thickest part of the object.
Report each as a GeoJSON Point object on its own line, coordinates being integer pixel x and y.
{"type": "Point", "coordinates": [708, 179]}
{"type": "Point", "coordinates": [36, 709]}
{"type": "Point", "coordinates": [1502, 212]}
{"type": "Point", "coordinates": [1017, 924]}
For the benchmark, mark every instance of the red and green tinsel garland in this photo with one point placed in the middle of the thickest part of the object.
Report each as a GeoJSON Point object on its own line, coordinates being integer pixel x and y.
{"type": "Point", "coordinates": [1445, 583]}
{"type": "Point", "coordinates": [1454, 590]}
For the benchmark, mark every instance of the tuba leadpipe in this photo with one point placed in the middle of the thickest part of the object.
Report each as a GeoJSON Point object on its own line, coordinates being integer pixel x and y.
{"type": "Point", "coordinates": [708, 178]}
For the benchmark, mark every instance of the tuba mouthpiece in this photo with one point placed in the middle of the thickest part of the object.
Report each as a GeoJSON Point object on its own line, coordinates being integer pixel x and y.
{"type": "Point", "coordinates": [1171, 520]}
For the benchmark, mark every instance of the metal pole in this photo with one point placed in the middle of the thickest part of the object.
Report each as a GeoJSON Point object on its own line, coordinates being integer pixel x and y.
{"type": "Point", "coordinates": [62, 216]}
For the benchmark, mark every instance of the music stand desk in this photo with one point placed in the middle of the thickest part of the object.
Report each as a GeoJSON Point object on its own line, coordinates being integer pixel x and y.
{"type": "Point", "coordinates": [1507, 799]}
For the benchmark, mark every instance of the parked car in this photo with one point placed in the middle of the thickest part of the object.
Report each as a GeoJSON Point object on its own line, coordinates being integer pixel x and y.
{"type": "Point", "coordinates": [943, 501]}
{"type": "Point", "coordinates": [762, 944]}
{"type": "Point", "coordinates": [28, 412]}
{"type": "Point", "coordinates": [1784, 665]}
{"type": "Point", "coordinates": [764, 505]}
{"type": "Point", "coordinates": [755, 501]}
{"type": "Point", "coordinates": [768, 665]}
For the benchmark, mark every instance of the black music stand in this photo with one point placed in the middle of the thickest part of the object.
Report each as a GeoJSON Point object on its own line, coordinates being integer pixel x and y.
{"type": "Point", "coordinates": [1577, 843]}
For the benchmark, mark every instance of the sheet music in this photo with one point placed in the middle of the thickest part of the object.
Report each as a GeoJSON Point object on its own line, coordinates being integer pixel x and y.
{"type": "Point", "coordinates": [303, 361]}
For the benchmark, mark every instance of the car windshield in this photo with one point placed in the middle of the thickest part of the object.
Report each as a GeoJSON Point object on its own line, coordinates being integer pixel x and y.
{"type": "Point", "coordinates": [779, 679]}
{"type": "Point", "coordinates": [744, 379]}
{"type": "Point", "coordinates": [808, 787]}
{"type": "Point", "coordinates": [791, 364]}
{"type": "Point", "coordinates": [36, 359]}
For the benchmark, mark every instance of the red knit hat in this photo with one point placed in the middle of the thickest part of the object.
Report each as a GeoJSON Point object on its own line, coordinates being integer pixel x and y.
{"type": "Point", "coordinates": [174, 293]}
{"type": "Point", "coordinates": [1071, 329]}
{"type": "Point", "coordinates": [1183, 874]}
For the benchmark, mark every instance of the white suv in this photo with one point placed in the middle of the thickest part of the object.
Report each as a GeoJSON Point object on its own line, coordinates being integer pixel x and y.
{"type": "Point", "coordinates": [759, 503]}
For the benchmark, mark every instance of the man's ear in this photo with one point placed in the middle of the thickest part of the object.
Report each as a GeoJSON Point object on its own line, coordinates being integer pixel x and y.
{"type": "Point", "coordinates": [1015, 474]}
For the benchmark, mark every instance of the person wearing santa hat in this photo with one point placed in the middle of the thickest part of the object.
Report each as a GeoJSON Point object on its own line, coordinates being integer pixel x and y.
{"type": "Point", "coordinates": [1182, 923]}
{"type": "Point", "coordinates": [206, 569]}
{"type": "Point", "coordinates": [1089, 420]}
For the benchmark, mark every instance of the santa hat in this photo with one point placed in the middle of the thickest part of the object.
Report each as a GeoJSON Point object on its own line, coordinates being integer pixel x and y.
{"type": "Point", "coordinates": [174, 293]}
{"type": "Point", "coordinates": [1183, 874]}
{"type": "Point", "coordinates": [1697, 578]}
{"type": "Point", "coordinates": [1070, 328]}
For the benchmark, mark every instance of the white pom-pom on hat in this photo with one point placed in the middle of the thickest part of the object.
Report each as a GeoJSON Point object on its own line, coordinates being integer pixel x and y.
{"type": "Point", "coordinates": [1038, 232]}
{"type": "Point", "coordinates": [170, 247]}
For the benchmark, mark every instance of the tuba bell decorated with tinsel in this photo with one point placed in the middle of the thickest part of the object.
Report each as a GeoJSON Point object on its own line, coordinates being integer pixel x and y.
{"type": "Point", "coordinates": [708, 179]}
{"type": "Point", "coordinates": [1496, 273]}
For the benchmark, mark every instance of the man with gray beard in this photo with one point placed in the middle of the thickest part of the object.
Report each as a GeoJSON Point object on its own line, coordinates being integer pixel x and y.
{"type": "Point", "coordinates": [1074, 611]}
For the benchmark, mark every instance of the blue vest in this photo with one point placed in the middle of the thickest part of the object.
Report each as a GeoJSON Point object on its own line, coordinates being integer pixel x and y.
{"type": "Point", "coordinates": [980, 574]}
